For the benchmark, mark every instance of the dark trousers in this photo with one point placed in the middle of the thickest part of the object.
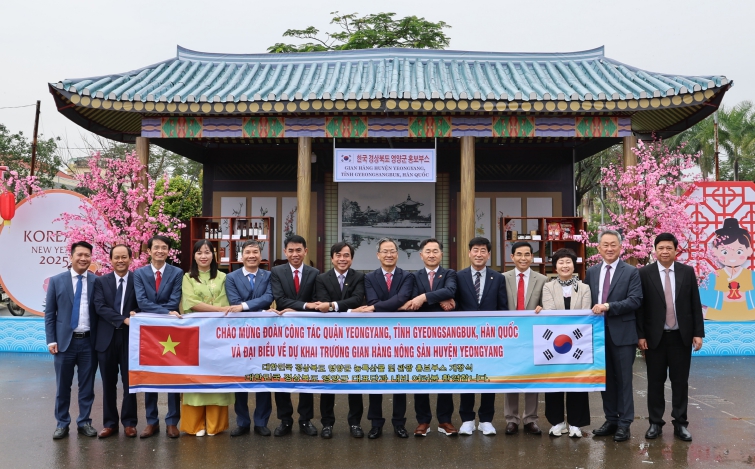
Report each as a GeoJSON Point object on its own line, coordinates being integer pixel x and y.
{"type": "Point", "coordinates": [327, 405]}
{"type": "Point", "coordinates": [113, 359]}
{"type": "Point", "coordinates": [443, 410]}
{"type": "Point", "coordinates": [286, 408]}
{"type": "Point", "coordinates": [78, 358]}
{"type": "Point", "coordinates": [174, 408]}
{"type": "Point", "coordinates": [375, 410]}
{"type": "Point", "coordinates": [618, 400]}
{"type": "Point", "coordinates": [577, 408]}
{"type": "Point", "coordinates": [262, 410]}
{"type": "Point", "coordinates": [671, 357]}
{"type": "Point", "coordinates": [486, 410]}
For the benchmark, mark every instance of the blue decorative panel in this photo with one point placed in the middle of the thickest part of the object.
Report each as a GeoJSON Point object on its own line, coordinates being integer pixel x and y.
{"type": "Point", "coordinates": [22, 335]}
{"type": "Point", "coordinates": [728, 339]}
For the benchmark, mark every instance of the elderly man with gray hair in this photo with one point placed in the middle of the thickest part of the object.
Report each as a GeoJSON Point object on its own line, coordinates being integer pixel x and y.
{"type": "Point", "coordinates": [616, 293]}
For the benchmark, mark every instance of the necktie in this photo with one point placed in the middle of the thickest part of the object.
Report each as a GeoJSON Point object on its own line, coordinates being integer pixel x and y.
{"type": "Point", "coordinates": [251, 282]}
{"type": "Point", "coordinates": [77, 302]}
{"type": "Point", "coordinates": [296, 281]}
{"type": "Point", "coordinates": [520, 293]}
{"type": "Point", "coordinates": [341, 280]}
{"type": "Point", "coordinates": [119, 296]}
{"type": "Point", "coordinates": [430, 277]}
{"type": "Point", "coordinates": [388, 277]}
{"type": "Point", "coordinates": [477, 285]}
{"type": "Point", "coordinates": [670, 316]}
{"type": "Point", "coordinates": [606, 284]}
{"type": "Point", "coordinates": [158, 279]}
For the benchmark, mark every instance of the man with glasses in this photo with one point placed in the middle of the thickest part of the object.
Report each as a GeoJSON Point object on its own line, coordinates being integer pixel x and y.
{"type": "Point", "coordinates": [387, 289]}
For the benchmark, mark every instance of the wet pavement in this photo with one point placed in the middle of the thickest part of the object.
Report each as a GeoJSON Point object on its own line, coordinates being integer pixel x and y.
{"type": "Point", "coordinates": [721, 414]}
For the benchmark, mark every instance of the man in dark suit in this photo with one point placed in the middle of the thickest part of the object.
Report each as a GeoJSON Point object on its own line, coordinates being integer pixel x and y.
{"type": "Point", "coordinates": [387, 289]}
{"type": "Point", "coordinates": [616, 293]}
{"type": "Point", "coordinates": [158, 290]}
{"type": "Point", "coordinates": [340, 289]}
{"type": "Point", "coordinates": [293, 290]}
{"type": "Point", "coordinates": [70, 326]}
{"type": "Point", "coordinates": [434, 290]}
{"type": "Point", "coordinates": [669, 326]}
{"type": "Point", "coordinates": [251, 288]}
{"type": "Point", "coordinates": [479, 289]}
{"type": "Point", "coordinates": [114, 299]}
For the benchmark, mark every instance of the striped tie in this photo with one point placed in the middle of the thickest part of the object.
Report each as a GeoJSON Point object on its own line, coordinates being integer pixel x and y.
{"type": "Point", "coordinates": [477, 285]}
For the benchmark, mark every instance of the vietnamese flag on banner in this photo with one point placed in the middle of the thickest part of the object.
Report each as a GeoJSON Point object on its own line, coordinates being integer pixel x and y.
{"type": "Point", "coordinates": [168, 346]}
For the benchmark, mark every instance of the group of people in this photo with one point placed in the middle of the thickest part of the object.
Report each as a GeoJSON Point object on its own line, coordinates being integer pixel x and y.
{"type": "Point", "coordinates": [656, 308]}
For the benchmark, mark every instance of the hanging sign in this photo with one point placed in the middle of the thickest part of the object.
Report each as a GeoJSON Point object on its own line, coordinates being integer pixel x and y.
{"type": "Point", "coordinates": [384, 165]}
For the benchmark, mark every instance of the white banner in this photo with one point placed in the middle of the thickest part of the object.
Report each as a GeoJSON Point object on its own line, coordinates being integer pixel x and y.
{"type": "Point", "coordinates": [384, 165]}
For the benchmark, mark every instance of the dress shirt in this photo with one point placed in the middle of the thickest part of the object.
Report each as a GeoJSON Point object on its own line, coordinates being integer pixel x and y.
{"type": "Point", "coordinates": [123, 293]}
{"type": "Point", "coordinates": [526, 280]}
{"type": "Point", "coordinates": [662, 271]}
{"type": "Point", "coordinates": [155, 271]}
{"type": "Point", "coordinates": [335, 303]}
{"type": "Point", "coordinates": [603, 276]}
{"type": "Point", "coordinates": [246, 275]}
{"type": "Point", "coordinates": [435, 277]}
{"type": "Point", "coordinates": [482, 280]}
{"type": "Point", "coordinates": [84, 306]}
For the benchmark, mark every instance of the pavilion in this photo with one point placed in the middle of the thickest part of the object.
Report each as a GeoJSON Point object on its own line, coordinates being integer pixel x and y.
{"type": "Point", "coordinates": [505, 125]}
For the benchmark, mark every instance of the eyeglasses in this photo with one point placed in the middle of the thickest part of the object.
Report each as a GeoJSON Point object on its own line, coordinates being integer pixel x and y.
{"type": "Point", "coordinates": [392, 253]}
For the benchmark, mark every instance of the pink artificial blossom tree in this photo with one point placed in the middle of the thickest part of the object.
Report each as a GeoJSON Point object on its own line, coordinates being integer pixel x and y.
{"type": "Point", "coordinates": [118, 211]}
{"type": "Point", "coordinates": [20, 186]}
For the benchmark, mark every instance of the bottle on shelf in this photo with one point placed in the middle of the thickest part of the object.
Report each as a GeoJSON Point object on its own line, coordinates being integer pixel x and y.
{"type": "Point", "coordinates": [206, 231]}
{"type": "Point", "coordinates": [237, 231]}
{"type": "Point", "coordinates": [244, 231]}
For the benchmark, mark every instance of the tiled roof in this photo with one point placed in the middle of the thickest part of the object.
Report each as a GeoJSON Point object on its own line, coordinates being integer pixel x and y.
{"type": "Point", "coordinates": [415, 74]}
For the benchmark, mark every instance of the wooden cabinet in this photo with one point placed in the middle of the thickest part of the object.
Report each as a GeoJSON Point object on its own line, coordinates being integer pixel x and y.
{"type": "Point", "coordinates": [546, 241]}
{"type": "Point", "coordinates": [228, 234]}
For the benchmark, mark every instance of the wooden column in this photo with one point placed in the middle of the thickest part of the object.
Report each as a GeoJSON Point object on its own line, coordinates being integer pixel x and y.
{"type": "Point", "coordinates": [466, 217]}
{"type": "Point", "coordinates": [629, 159]}
{"type": "Point", "coordinates": [303, 191]}
{"type": "Point", "coordinates": [142, 151]}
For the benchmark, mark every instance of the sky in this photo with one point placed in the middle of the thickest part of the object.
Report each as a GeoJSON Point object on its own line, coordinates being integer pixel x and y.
{"type": "Point", "coordinates": [44, 41]}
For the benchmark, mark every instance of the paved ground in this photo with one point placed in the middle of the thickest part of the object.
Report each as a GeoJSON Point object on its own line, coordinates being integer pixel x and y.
{"type": "Point", "coordinates": [722, 415]}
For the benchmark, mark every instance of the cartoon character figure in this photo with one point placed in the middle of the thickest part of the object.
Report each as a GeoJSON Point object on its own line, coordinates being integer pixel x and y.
{"type": "Point", "coordinates": [729, 294]}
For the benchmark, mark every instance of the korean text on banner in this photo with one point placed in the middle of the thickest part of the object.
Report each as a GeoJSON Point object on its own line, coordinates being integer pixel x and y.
{"type": "Point", "coordinates": [384, 165]}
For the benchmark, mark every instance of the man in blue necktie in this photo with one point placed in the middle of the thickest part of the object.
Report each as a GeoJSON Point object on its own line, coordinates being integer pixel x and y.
{"type": "Point", "coordinates": [70, 323]}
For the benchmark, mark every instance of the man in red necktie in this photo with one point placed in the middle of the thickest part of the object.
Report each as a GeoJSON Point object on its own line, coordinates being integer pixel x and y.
{"type": "Point", "coordinates": [526, 286]}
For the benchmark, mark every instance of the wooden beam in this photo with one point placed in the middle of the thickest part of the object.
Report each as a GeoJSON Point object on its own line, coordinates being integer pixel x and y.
{"type": "Point", "coordinates": [466, 217]}
{"type": "Point", "coordinates": [304, 190]}
{"type": "Point", "coordinates": [142, 151]}
{"type": "Point", "coordinates": [629, 159]}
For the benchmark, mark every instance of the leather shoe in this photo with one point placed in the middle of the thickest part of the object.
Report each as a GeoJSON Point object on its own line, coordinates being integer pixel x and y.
{"type": "Point", "coordinates": [60, 433]}
{"type": "Point", "coordinates": [512, 428]}
{"type": "Point", "coordinates": [87, 430]}
{"type": "Point", "coordinates": [130, 431]}
{"type": "Point", "coordinates": [532, 428]}
{"type": "Point", "coordinates": [356, 431]}
{"type": "Point", "coordinates": [653, 432]}
{"type": "Point", "coordinates": [400, 431]}
{"type": "Point", "coordinates": [327, 432]}
{"type": "Point", "coordinates": [283, 429]}
{"type": "Point", "coordinates": [238, 431]}
{"type": "Point", "coordinates": [606, 429]}
{"type": "Point", "coordinates": [422, 429]}
{"type": "Point", "coordinates": [172, 431]}
{"type": "Point", "coordinates": [447, 429]}
{"type": "Point", "coordinates": [681, 432]}
{"type": "Point", "coordinates": [262, 431]}
{"type": "Point", "coordinates": [622, 434]}
{"type": "Point", "coordinates": [150, 430]}
{"type": "Point", "coordinates": [106, 432]}
{"type": "Point", "coordinates": [375, 433]}
{"type": "Point", "coordinates": [307, 428]}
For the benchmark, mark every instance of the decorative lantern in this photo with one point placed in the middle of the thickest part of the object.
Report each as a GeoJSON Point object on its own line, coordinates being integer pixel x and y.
{"type": "Point", "coordinates": [7, 206]}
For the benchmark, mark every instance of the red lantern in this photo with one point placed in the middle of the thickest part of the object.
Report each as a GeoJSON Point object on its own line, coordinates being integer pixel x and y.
{"type": "Point", "coordinates": [7, 206]}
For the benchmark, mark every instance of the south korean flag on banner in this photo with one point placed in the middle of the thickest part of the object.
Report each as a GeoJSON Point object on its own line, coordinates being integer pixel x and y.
{"type": "Point", "coordinates": [563, 344]}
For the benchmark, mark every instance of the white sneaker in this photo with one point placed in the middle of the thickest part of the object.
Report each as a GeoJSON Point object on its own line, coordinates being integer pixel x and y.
{"type": "Point", "coordinates": [210, 434]}
{"type": "Point", "coordinates": [558, 430]}
{"type": "Point", "coordinates": [467, 428]}
{"type": "Point", "coordinates": [201, 432]}
{"type": "Point", "coordinates": [486, 428]}
{"type": "Point", "coordinates": [574, 432]}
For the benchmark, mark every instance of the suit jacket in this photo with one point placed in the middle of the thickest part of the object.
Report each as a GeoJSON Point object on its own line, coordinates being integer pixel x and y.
{"type": "Point", "coordinates": [239, 291]}
{"type": "Point", "coordinates": [444, 287]}
{"type": "Point", "coordinates": [553, 296]}
{"type": "Point", "coordinates": [284, 291]}
{"type": "Point", "coordinates": [624, 298]}
{"type": "Point", "coordinates": [104, 296]}
{"type": "Point", "coordinates": [651, 316]}
{"type": "Point", "coordinates": [493, 296]}
{"type": "Point", "coordinates": [169, 296]}
{"type": "Point", "coordinates": [58, 309]}
{"type": "Point", "coordinates": [328, 289]}
{"type": "Point", "coordinates": [533, 295]}
{"type": "Point", "coordinates": [377, 292]}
